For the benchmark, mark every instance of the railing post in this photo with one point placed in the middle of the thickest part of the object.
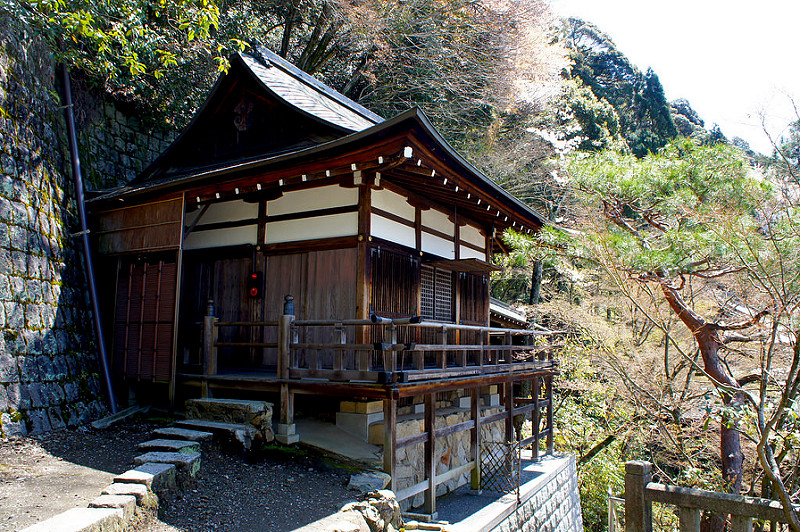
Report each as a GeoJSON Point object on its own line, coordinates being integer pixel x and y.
{"type": "Point", "coordinates": [390, 356]}
{"type": "Point", "coordinates": [549, 413]}
{"type": "Point", "coordinates": [286, 433]}
{"type": "Point", "coordinates": [638, 510]}
{"type": "Point", "coordinates": [690, 519]}
{"type": "Point", "coordinates": [210, 335]}
{"type": "Point", "coordinates": [740, 523]}
{"type": "Point", "coordinates": [537, 417]}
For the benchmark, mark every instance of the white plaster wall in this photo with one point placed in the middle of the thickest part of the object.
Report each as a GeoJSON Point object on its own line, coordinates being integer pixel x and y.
{"type": "Point", "coordinates": [472, 235]}
{"type": "Point", "coordinates": [439, 221]}
{"type": "Point", "coordinates": [438, 246]}
{"type": "Point", "coordinates": [469, 253]}
{"type": "Point", "coordinates": [226, 211]}
{"type": "Point", "coordinates": [313, 199]}
{"type": "Point", "coordinates": [330, 226]}
{"type": "Point", "coordinates": [392, 231]}
{"type": "Point", "coordinates": [394, 203]}
{"type": "Point", "coordinates": [230, 236]}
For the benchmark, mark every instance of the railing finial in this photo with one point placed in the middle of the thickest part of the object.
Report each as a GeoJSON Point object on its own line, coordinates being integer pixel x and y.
{"type": "Point", "coordinates": [210, 307]}
{"type": "Point", "coordinates": [288, 306]}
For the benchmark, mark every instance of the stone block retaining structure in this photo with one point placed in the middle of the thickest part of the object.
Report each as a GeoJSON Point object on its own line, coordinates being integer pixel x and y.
{"type": "Point", "coordinates": [48, 360]}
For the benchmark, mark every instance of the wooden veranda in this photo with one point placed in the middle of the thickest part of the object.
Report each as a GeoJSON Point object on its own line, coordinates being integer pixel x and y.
{"type": "Point", "coordinates": [392, 360]}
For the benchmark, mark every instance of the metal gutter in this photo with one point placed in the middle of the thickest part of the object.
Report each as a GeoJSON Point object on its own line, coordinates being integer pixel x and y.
{"type": "Point", "coordinates": [84, 234]}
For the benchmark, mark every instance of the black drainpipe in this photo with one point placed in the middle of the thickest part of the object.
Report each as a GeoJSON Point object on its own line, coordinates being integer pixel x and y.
{"type": "Point", "coordinates": [84, 234]}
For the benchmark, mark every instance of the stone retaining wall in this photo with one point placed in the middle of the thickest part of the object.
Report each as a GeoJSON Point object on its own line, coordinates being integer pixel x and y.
{"type": "Point", "coordinates": [452, 451]}
{"type": "Point", "coordinates": [48, 360]}
{"type": "Point", "coordinates": [554, 507]}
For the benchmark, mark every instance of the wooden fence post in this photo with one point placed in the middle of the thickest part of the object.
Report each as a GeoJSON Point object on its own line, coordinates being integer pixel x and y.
{"type": "Point", "coordinates": [286, 433]}
{"type": "Point", "coordinates": [210, 335]}
{"type": "Point", "coordinates": [475, 436]}
{"type": "Point", "coordinates": [638, 510]}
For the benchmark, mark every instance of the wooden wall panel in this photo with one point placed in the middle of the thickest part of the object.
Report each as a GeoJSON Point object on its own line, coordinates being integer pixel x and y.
{"type": "Point", "coordinates": [148, 227]}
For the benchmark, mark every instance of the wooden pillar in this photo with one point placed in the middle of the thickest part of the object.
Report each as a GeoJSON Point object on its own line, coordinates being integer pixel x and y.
{"type": "Point", "coordinates": [210, 335]}
{"type": "Point", "coordinates": [390, 441]}
{"type": "Point", "coordinates": [286, 432]}
{"type": "Point", "coordinates": [475, 437]}
{"type": "Point", "coordinates": [430, 453]}
{"type": "Point", "coordinates": [363, 270]}
{"type": "Point", "coordinates": [536, 420]}
{"type": "Point", "coordinates": [550, 427]}
{"type": "Point", "coordinates": [508, 399]}
{"type": "Point", "coordinates": [638, 510]}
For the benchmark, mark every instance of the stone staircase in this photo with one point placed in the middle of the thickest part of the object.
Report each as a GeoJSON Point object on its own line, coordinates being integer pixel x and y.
{"type": "Point", "coordinates": [170, 460]}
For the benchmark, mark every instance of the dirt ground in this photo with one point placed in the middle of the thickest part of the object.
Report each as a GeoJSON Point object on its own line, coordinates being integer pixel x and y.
{"type": "Point", "coordinates": [277, 491]}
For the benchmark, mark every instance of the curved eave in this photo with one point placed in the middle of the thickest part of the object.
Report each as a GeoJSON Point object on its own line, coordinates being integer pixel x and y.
{"type": "Point", "coordinates": [412, 121]}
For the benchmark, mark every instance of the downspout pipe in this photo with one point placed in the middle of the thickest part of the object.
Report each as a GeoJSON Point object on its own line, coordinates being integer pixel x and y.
{"type": "Point", "coordinates": [84, 234]}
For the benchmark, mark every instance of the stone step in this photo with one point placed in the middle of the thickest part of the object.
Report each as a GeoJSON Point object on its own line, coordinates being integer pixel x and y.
{"type": "Point", "coordinates": [126, 503]}
{"type": "Point", "coordinates": [256, 413]}
{"type": "Point", "coordinates": [177, 433]}
{"type": "Point", "coordinates": [187, 464]}
{"type": "Point", "coordinates": [174, 446]}
{"type": "Point", "coordinates": [226, 433]}
{"type": "Point", "coordinates": [144, 497]}
{"type": "Point", "coordinates": [157, 477]}
{"type": "Point", "coordinates": [82, 520]}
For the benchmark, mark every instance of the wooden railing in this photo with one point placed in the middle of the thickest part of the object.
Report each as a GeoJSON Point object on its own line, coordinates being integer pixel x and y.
{"type": "Point", "coordinates": [640, 493]}
{"type": "Point", "coordinates": [337, 350]}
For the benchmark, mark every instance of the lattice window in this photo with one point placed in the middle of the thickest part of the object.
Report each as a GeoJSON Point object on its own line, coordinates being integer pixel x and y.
{"type": "Point", "coordinates": [436, 287]}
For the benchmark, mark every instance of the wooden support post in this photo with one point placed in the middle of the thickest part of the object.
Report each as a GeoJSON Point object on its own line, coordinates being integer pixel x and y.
{"type": "Point", "coordinates": [286, 433]}
{"type": "Point", "coordinates": [638, 510]}
{"type": "Point", "coordinates": [475, 437]}
{"type": "Point", "coordinates": [430, 453]}
{"type": "Point", "coordinates": [210, 335]}
{"type": "Point", "coordinates": [508, 393]}
{"type": "Point", "coordinates": [509, 355]}
{"type": "Point", "coordinates": [536, 420]}
{"type": "Point", "coordinates": [390, 441]}
{"type": "Point", "coordinates": [550, 427]}
{"type": "Point", "coordinates": [690, 519]}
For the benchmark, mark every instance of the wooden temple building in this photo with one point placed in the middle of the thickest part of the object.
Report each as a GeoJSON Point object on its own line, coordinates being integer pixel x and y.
{"type": "Point", "coordinates": [292, 244]}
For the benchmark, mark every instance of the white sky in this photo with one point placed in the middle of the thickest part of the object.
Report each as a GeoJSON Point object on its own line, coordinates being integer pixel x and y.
{"type": "Point", "coordinates": [733, 60]}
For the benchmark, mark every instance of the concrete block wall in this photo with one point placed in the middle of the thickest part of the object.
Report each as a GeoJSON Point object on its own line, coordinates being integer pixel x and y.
{"type": "Point", "coordinates": [554, 507]}
{"type": "Point", "coordinates": [48, 360]}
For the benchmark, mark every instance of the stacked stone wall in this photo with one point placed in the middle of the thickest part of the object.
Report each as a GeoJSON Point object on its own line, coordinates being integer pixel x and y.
{"type": "Point", "coordinates": [451, 452]}
{"type": "Point", "coordinates": [554, 507]}
{"type": "Point", "coordinates": [48, 361]}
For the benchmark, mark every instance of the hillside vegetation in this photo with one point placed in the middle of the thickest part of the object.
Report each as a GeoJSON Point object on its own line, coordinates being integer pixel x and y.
{"type": "Point", "coordinates": [672, 260]}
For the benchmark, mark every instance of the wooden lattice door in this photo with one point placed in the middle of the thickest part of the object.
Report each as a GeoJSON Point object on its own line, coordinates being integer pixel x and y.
{"type": "Point", "coordinates": [144, 319]}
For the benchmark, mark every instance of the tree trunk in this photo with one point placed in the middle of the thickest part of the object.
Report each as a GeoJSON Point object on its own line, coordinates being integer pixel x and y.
{"type": "Point", "coordinates": [707, 337]}
{"type": "Point", "coordinates": [536, 283]}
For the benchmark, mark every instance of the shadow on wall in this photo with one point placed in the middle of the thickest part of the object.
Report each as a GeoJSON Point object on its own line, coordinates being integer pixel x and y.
{"type": "Point", "coordinates": [48, 365]}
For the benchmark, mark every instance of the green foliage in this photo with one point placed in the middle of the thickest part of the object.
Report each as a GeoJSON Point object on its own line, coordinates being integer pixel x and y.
{"type": "Point", "coordinates": [670, 213]}
{"type": "Point", "coordinates": [590, 409]}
